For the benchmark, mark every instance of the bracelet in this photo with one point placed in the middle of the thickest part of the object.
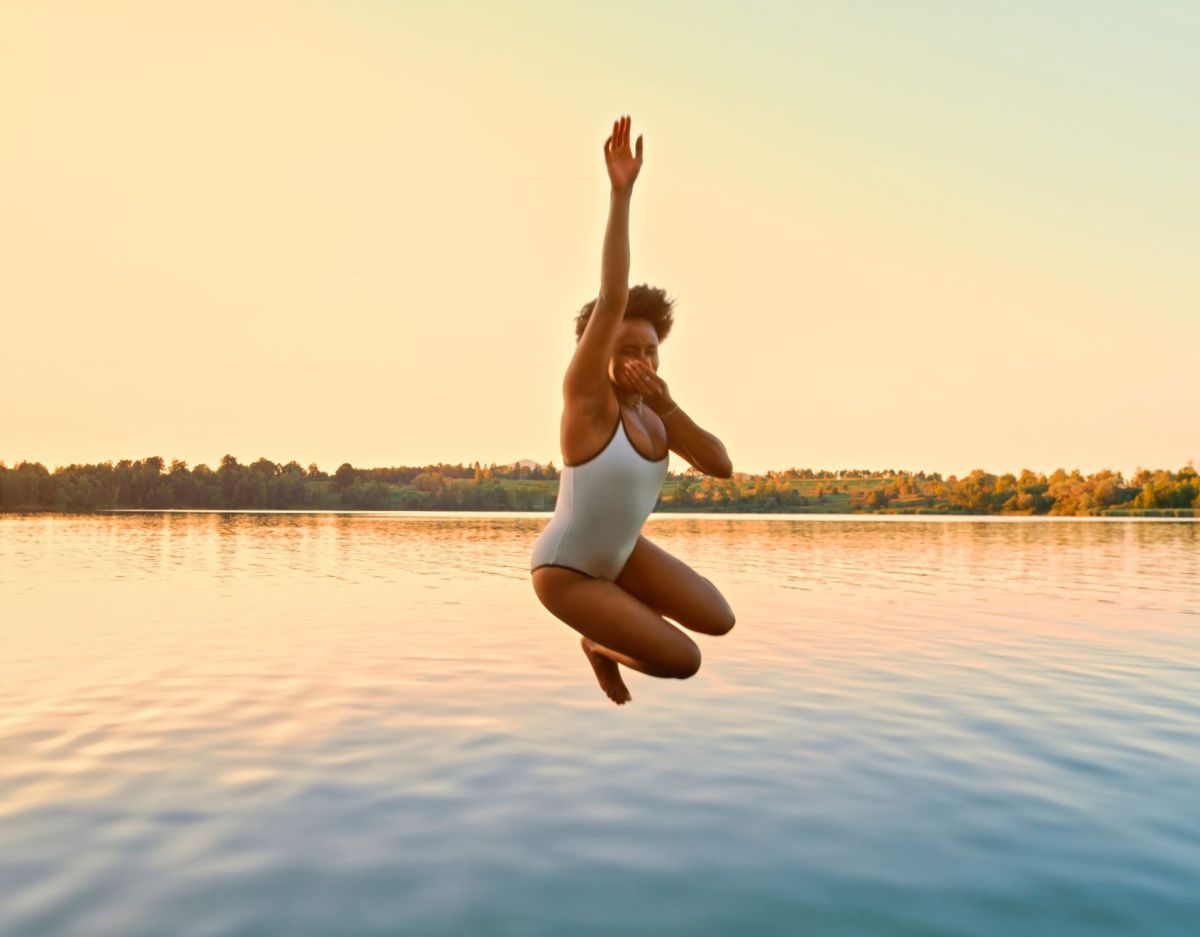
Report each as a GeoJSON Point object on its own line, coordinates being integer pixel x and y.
{"type": "Point", "coordinates": [663, 416]}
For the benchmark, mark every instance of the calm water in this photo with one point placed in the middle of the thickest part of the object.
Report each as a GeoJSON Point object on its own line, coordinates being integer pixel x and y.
{"type": "Point", "coordinates": [292, 724]}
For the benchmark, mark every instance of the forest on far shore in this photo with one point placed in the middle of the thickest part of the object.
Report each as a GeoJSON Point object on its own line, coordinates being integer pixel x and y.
{"type": "Point", "coordinates": [151, 484]}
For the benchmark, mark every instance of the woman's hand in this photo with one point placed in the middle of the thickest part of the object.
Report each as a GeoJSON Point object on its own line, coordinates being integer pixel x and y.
{"type": "Point", "coordinates": [643, 379]}
{"type": "Point", "coordinates": [623, 166]}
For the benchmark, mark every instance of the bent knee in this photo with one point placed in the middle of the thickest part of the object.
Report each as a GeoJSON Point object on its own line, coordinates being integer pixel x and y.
{"type": "Point", "coordinates": [720, 621]}
{"type": "Point", "coordinates": [727, 622]}
{"type": "Point", "coordinates": [686, 664]}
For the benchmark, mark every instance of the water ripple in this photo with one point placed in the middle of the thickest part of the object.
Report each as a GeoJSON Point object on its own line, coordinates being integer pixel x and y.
{"type": "Point", "coordinates": [365, 724]}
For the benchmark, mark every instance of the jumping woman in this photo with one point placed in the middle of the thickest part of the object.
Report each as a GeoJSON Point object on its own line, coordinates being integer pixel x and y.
{"type": "Point", "coordinates": [591, 566]}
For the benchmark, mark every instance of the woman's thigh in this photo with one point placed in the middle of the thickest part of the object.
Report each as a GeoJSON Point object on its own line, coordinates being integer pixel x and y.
{"type": "Point", "coordinates": [610, 616]}
{"type": "Point", "coordinates": [674, 589]}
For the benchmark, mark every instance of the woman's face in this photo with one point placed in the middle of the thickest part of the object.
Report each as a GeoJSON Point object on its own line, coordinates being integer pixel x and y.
{"type": "Point", "coordinates": [636, 339]}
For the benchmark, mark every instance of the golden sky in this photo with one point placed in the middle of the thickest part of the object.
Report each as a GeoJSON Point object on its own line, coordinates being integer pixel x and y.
{"type": "Point", "coordinates": [937, 236]}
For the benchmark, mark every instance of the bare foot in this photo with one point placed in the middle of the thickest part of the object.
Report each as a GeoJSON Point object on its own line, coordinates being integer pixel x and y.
{"type": "Point", "coordinates": [607, 672]}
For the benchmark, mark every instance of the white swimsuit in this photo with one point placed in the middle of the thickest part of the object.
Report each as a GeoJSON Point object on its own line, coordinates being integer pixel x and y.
{"type": "Point", "coordinates": [602, 504]}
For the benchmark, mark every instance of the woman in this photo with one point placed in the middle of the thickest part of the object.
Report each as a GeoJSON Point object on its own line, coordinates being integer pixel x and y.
{"type": "Point", "coordinates": [591, 567]}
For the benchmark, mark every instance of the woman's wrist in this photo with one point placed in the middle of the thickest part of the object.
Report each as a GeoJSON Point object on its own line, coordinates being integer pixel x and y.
{"type": "Point", "coordinates": [668, 412]}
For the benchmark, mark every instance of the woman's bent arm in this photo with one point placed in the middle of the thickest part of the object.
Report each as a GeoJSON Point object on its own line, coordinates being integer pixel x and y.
{"type": "Point", "coordinates": [700, 447]}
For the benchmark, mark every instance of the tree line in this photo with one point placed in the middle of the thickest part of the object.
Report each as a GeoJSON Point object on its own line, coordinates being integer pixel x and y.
{"type": "Point", "coordinates": [151, 484]}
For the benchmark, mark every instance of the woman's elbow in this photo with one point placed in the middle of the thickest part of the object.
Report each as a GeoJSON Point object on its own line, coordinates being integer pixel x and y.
{"type": "Point", "coordinates": [723, 470]}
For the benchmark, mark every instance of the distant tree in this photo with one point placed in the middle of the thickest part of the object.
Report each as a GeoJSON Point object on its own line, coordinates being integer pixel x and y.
{"type": "Point", "coordinates": [432, 482]}
{"type": "Point", "coordinates": [343, 478]}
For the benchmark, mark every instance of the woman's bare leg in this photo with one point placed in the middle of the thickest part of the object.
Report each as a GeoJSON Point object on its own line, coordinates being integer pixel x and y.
{"type": "Point", "coordinates": [615, 626]}
{"type": "Point", "coordinates": [671, 587]}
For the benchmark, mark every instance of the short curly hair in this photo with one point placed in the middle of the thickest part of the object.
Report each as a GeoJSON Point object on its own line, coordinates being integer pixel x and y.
{"type": "Point", "coordinates": [645, 302]}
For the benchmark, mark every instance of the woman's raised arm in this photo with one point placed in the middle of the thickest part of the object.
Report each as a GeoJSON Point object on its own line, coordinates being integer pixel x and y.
{"type": "Point", "coordinates": [587, 374]}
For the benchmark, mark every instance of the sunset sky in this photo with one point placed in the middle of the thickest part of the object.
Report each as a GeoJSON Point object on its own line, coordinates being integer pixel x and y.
{"type": "Point", "coordinates": [932, 236]}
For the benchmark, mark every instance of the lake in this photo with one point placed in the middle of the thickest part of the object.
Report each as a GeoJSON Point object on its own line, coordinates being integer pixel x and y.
{"type": "Point", "coordinates": [366, 724]}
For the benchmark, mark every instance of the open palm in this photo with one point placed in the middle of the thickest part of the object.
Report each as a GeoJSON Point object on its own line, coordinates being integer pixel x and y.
{"type": "Point", "coordinates": [623, 165]}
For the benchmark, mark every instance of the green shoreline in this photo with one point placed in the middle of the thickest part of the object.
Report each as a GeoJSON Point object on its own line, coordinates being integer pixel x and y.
{"type": "Point", "coordinates": [688, 511]}
{"type": "Point", "coordinates": [146, 484]}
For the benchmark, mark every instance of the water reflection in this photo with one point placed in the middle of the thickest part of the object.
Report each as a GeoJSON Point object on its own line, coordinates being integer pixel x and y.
{"type": "Point", "coordinates": [313, 724]}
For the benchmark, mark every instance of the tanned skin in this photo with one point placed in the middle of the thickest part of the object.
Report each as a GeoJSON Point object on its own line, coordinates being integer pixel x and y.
{"type": "Point", "coordinates": [614, 373]}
